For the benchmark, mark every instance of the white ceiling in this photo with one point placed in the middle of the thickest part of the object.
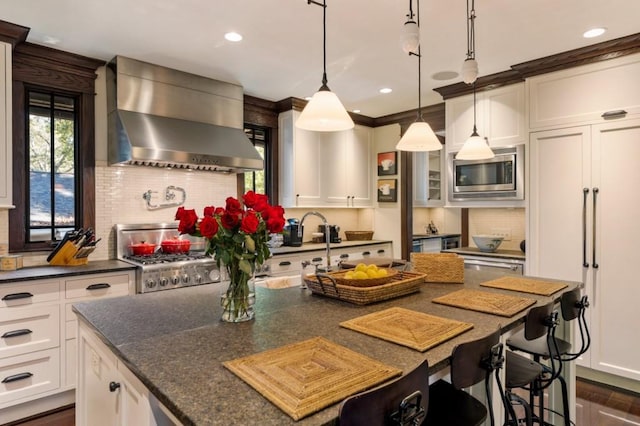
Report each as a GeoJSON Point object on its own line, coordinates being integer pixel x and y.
{"type": "Point", "coordinates": [281, 54]}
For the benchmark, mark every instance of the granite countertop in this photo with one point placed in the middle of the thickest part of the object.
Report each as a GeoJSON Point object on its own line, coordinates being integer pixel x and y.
{"type": "Point", "coordinates": [40, 272]}
{"type": "Point", "coordinates": [427, 236]}
{"type": "Point", "coordinates": [501, 254]}
{"type": "Point", "coordinates": [175, 343]}
{"type": "Point", "coordinates": [323, 246]}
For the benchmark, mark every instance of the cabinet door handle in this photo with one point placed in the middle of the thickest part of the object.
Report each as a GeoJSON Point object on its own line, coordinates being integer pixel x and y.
{"type": "Point", "coordinates": [595, 199]}
{"type": "Point", "coordinates": [16, 333]}
{"type": "Point", "coordinates": [284, 263]}
{"type": "Point", "coordinates": [16, 296]}
{"type": "Point", "coordinates": [16, 377]}
{"type": "Point", "coordinates": [114, 386]}
{"type": "Point", "coordinates": [297, 196]}
{"type": "Point", "coordinates": [614, 114]}
{"type": "Point", "coordinates": [98, 286]}
{"type": "Point", "coordinates": [344, 256]}
{"type": "Point", "coordinates": [585, 192]}
{"type": "Point", "coordinates": [316, 259]}
{"type": "Point", "coordinates": [381, 251]}
{"type": "Point", "coordinates": [366, 253]}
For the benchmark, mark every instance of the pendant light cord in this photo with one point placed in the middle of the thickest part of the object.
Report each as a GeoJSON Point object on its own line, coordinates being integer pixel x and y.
{"type": "Point", "coordinates": [471, 36]}
{"type": "Point", "coordinates": [475, 130]}
{"type": "Point", "coordinates": [419, 55]}
{"type": "Point", "coordinates": [324, 44]}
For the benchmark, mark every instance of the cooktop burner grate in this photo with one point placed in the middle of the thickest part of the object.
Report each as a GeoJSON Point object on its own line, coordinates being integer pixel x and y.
{"type": "Point", "coordinates": [156, 258]}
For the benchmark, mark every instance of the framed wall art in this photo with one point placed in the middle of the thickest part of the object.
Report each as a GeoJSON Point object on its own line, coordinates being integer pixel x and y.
{"type": "Point", "coordinates": [387, 190]}
{"type": "Point", "coordinates": [387, 163]}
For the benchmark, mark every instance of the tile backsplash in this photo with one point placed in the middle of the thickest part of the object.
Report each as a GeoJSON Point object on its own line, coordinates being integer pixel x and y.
{"type": "Point", "coordinates": [489, 221]}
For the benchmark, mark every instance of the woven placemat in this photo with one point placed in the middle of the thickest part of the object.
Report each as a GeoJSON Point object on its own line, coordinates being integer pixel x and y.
{"type": "Point", "coordinates": [525, 285]}
{"type": "Point", "coordinates": [483, 301]}
{"type": "Point", "coordinates": [416, 330]}
{"type": "Point", "coordinates": [307, 376]}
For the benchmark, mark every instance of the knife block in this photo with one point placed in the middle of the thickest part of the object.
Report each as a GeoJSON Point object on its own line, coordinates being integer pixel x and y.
{"type": "Point", "coordinates": [65, 256]}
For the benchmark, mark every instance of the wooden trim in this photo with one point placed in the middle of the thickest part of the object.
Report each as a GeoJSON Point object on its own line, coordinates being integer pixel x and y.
{"type": "Point", "coordinates": [432, 114]}
{"type": "Point", "coordinates": [464, 237]}
{"type": "Point", "coordinates": [12, 33]}
{"type": "Point", "coordinates": [17, 218]}
{"type": "Point", "coordinates": [406, 200]}
{"type": "Point", "coordinates": [260, 112]}
{"type": "Point", "coordinates": [572, 58]}
{"type": "Point", "coordinates": [299, 104]}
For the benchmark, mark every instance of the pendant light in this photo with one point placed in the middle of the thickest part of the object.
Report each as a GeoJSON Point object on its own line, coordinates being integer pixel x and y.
{"type": "Point", "coordinates": [476, 147]}
{"type": "Point", "coordinates": [324, 112]}
{"type": "Point", "coordinates": [419, 136]}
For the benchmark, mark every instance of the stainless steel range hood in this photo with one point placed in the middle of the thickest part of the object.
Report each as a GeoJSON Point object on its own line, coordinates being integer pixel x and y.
{"type": "Point", "coordinates": [163, 117]}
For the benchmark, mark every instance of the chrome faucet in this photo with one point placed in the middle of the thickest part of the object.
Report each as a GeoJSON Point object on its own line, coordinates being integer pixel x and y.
{"type": "Point", "coordinates": [326, 234]}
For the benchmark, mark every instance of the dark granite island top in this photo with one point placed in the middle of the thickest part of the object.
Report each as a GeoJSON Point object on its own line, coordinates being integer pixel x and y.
{"type": "Point", "coordinates": [47, 271]}
{"type": "Point", "coordinates": [175, 343]}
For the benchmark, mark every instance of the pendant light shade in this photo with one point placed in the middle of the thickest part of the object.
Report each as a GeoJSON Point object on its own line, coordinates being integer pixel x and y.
{"type": "Point", "coordinates": [410, 37]}
{"type": "Point", "coordinates": [324, 112]}
{"type": "Point", "coordinates": [419, 137]}
{"type": "Point", "coordinates": [469, 71]}
{"type": "Point", "coordinates": [475, 148]}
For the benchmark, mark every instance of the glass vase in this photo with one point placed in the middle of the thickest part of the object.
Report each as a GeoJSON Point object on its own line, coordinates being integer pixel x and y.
{"type": "Point", "coordinates": [238, 301]}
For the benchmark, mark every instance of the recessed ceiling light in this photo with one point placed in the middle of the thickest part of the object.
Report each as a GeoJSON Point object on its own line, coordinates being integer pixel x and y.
{"type": "Point", "coordinates": [308, 98]}
{"type": "Point", "coordinates": [594, 32]}
{"type": "Point", "coordinates": [386, 90]}
{"type": "Point", "coordinates": [356, 111]}
{"type": "Point", "coordinates": [233, 36]}
{"type": "Point", "coordinates": [51, 40]}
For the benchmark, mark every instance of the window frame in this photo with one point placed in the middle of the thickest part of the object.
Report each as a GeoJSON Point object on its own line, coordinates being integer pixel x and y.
{"type": "Point", "coordinates": [268, 178]}
{"type": "Point", "coordinates": [50, 70]}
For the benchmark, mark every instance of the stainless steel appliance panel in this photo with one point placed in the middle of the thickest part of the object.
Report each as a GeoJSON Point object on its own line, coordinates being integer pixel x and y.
{"type": "Point", "coordinates": [494, 264]}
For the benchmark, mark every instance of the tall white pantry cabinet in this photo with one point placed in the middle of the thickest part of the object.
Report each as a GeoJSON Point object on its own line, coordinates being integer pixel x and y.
{"type": "Point", "coordinates": [583, 199]}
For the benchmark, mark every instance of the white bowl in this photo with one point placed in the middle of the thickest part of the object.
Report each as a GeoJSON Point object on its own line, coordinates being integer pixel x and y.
{"type": "Point", "coordinates": [487, 243]}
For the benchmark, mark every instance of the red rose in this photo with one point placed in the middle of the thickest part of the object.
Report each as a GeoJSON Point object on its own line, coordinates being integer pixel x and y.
{"type": "Point", "coordinates": [233, 205]}
{"type": "Point", "coordinates": [275, 224]}
{"type": "Point", "coordinates": [219, 211]}
{"type": "Point", "coordinates": [249, 223]}
{"type": "Point", "coordinates": [179, 213]}
{"type": "Point", "coordinates": [250, 199]}
{"type": "Point", "coordinates": [208, 227]}
{"type": "Point", "coordinates": [188, 220]}
{"type": "Point", "coordinates": [230, 220]}
{"type": "Point", "coordinates": [262, 205]}
{"type": "Point", "coordinates": [209, 211]}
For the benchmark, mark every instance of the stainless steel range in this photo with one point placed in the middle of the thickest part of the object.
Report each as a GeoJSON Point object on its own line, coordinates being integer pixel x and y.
{"type": "Point", "coordinates": [164, 271]}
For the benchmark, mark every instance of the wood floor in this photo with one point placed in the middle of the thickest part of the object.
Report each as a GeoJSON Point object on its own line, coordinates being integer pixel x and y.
{"type": "Point", "coordinates": [596, 405]}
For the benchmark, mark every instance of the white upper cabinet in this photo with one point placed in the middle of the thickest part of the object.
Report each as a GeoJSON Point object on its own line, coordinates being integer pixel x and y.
{"type": "Point", "coordinates": [428, 179]}
{"type": "Point", "coordinates": [583, 94]}
{"type": "Point", "coordinates": [500, 116]}
{"type": "Point", "coordinates": [6, 198]}
{"type": "Point", "coordinates": [325, 169]}
{"type": "Point", "coordinates": [300, 181]}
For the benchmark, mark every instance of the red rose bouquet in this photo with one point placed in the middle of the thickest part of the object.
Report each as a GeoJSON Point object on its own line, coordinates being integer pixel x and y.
{"type": "Point", "coordinates": [237, 237]}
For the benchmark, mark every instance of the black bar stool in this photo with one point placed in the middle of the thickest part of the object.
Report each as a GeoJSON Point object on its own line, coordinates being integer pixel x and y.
{"type": "Point", "coordinates": [573, 306]}
{"type": "Point", "coordinates": [402, 402]}
{"type": "Point", "coordinates": [528, 374]}
{"type": "Point", "coordinates": [471, 363]}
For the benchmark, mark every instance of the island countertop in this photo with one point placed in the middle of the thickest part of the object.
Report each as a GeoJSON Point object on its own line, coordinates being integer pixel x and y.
{"type": "Point", "coordinates": [175, 343]}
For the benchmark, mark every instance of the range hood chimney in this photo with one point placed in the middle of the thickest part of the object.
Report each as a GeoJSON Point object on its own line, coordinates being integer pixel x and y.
{"type": "Point", "coordinates": [163, 117]}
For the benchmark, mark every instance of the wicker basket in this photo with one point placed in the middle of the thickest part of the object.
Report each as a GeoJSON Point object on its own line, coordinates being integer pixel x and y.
{"type": "Point", "coordinates": [364, 282]}
{"type": "Point", "coordinates": [358, 235]}
{"type": "Point", "coordinates": [403, 283]}
{"type": "Point", "coordinates": [439, 267]}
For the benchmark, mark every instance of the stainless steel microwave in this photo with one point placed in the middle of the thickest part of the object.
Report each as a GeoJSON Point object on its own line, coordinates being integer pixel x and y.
{"type": "Point", "coordinates": [498, 178]}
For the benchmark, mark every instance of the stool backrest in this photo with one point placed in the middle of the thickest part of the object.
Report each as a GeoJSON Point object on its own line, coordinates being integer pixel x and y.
{"type": "Point", "coordinates": [573, 306]}
{"type": "Point", "coordinates": [569, 304]}
{"type": "Point", "coordinates": [376, 407]}
{"type": "Point", "coordinates": [468, 360]}
{"type": "Point", "coordinates": [536, 323]}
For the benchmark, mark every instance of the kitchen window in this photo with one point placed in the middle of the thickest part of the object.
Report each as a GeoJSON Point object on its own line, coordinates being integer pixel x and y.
{"type": "Point", "coordinates": [259, 181]}
{"type": "Point", "coordinates": [53, 146]}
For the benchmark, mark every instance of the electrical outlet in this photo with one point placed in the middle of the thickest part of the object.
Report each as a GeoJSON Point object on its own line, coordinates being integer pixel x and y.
{"type": "Point", "coordinates": [505, 233]}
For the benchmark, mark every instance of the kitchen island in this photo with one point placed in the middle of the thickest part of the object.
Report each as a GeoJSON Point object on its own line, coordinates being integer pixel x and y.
{"type": "Point", "coordinates": [174, 343]}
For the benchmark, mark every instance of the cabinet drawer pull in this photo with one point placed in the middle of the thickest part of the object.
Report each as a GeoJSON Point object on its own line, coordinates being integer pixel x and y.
{"type": "Point", "coordinates": [366, 253]}
{"type": "Point", "coordinates": [16, 296]}
{"type": "Point", "coordinates": [614, 114]}
{"type": "Point", "coordinates": [284, 263]}
{"type": "Point", "coordinates": [381, 251]}
{"type": "Point", "coordinates": [16, 377]}
{"type": "Point", "coordinates": [114, 386]}
{"type": "Point", "coordinates": [316, 259]}
{"type": "Point", "coordinates": [344, 256]}
{"type": "Point", "coordinates": [16, 333]}
{"type": "Point", "coordinates": [98, 286]}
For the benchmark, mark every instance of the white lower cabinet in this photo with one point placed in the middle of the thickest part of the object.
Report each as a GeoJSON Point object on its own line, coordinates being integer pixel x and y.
{"type": "Point", "coordinates": [28, 376]}
{"type": "Point", "coordinates": [583, 227]}
{"type": "Point", "coordinates": [108, 393]}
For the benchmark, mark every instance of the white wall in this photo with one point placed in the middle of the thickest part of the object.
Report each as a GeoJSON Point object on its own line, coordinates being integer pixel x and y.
{"type": "Point", "coordinates": [386, 216]}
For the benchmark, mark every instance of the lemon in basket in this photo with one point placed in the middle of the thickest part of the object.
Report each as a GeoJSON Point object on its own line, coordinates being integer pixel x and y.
{"type": "Point", "coordinates": [380, 273]}
{"type": "Point", "coordinates": [361, 267]}
{"type": "Point", "coordinates": [360, 275]}
{"type": "Point", "coordinates": [372, 273]}
{"type": "Point", "coordinates": [349, 275]}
